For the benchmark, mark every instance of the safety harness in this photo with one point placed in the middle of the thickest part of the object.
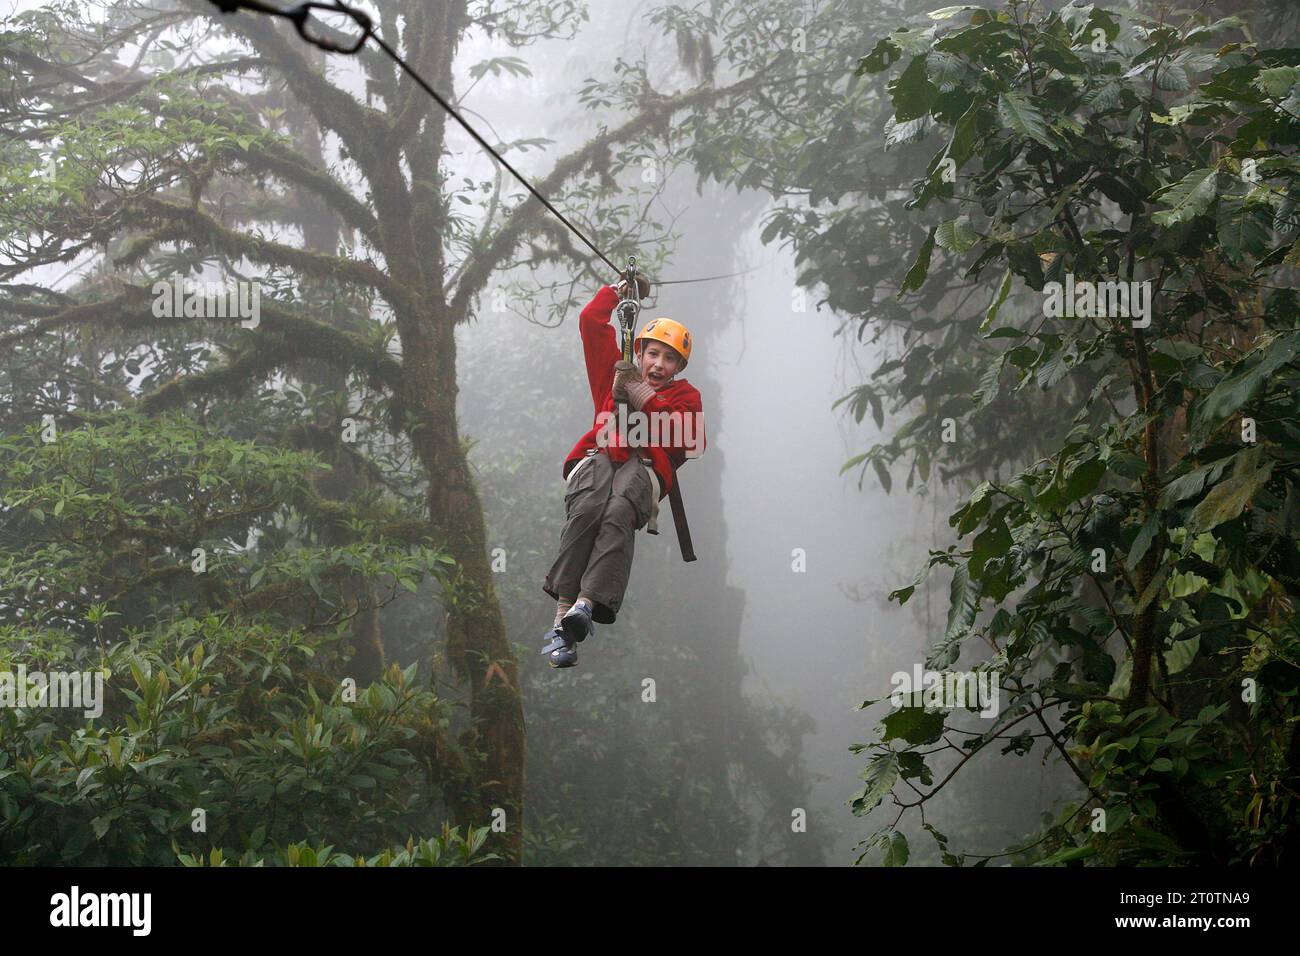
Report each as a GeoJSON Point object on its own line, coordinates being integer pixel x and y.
{"type": "Point", "coordinates": [627, 310]}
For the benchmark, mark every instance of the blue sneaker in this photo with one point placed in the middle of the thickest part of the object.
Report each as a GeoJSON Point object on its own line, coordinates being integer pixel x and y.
{"type": "Point", "coordinates": [562, 651]}
{"type": "Point", "coordinates": [577, 624]}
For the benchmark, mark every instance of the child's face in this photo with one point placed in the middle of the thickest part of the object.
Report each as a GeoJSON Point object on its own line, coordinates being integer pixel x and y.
{"type": "Point", "coordinates": [659, 363]}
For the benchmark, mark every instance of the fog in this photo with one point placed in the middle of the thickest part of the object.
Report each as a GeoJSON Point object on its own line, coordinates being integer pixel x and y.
{"type": "Point", "coordinates": [812, 553]}
{"type": "Point", "coordinates": [795, 558]}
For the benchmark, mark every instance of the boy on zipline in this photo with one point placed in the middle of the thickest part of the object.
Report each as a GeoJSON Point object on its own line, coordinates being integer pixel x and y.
{"type": "Point", "coordinates": [611, 490]}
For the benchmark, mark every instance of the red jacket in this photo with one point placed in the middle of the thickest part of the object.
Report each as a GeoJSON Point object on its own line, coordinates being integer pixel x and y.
{"type": "Point", "coordinates": [600, 348]}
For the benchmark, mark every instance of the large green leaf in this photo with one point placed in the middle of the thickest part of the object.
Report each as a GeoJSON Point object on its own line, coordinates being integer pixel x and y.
{"type": "Point", "coordinates": [912, 131]}
{"type": "Point", "coordinates": [915, 725]}
{"type": "Point", "coordinates": [1185, 486]}
{"type": "Point", "coordinates": [1069, 854]}
{"type": "Point", "coordinates": [1083, 479]}
{"type": "Point", "coordinates": [912, 92]}
{"type": "Point", "coordinates": [1229, 498]}
{"type": "Point", "coordinates": [1242, 230]}
{"type": "Point", "coordinates": [1240, 386]}
{"type": "Point", "coordinates": [1022, 117]}
{"type": "Point", "coordinates": [946, 71]}
{"type": "Point", "coordinates": [956, 235]}
{"type": "Point", "coordinates": [1181, 654]}
{"type": "Point", "coordinates": [896, 853]}
{"type": "Point", "coordinates": [965, 133]}
{"type": "Point", "coordinates": [993, 542]}
{"type": "Point", "coordinates": [1188, 197]}
{"type": "Point", "coordinates": [990, 382]}
{"type": "Point", "coordinates": [996, 305]}
{"type": "Point", "coordinates": [947, 13]}
{"type": "Point", "coordinates": [880, 775]}
{"type": "Point", "coordinates": [963, 597]}
{"type": "Point", "coordinates": [882, 56]}
{"type": "Point", "coordinates": [915, 277]}
{"type": "Point", "coordinates": [1146, 534]}
{"type": "Point", "coordinates": [1277, 82]}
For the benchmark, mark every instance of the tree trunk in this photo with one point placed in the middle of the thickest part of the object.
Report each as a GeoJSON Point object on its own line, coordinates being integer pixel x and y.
{"type": "Point", "coordinates": [477, 646]}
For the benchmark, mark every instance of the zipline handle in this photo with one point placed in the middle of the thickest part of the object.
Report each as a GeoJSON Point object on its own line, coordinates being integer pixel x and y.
{"type": "Point", "coordinates": [300, 16]}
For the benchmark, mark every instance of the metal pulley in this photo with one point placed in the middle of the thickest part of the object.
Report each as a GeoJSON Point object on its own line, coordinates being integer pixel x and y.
{"type": "Point", "coordinates": [629, 307]}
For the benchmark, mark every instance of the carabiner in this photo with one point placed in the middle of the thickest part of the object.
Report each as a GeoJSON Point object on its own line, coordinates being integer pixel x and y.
{"type": "Point", "coordinates": [629, 307]}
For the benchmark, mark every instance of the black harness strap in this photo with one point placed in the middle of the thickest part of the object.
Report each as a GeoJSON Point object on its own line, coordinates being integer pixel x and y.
{"type": "Point", "coordinates": [679, 520]}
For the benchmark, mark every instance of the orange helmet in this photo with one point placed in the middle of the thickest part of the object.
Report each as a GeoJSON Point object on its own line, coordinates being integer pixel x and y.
{"type": "Point", "coordinates": [670, 333]}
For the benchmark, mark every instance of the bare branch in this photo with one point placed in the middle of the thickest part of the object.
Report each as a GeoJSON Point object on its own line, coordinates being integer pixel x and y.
{"type": "Point", "coordinates": [269, 353]}
{"type": "Point", "coordinates": [525, 217]}
{"type": "Point", "coordinates": [205, 226]}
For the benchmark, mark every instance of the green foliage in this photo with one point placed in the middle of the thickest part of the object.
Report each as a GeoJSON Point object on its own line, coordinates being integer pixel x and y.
{"type": "Point", "coordinates": [194, 158]}
{"type": "Point", "coordinates": [231, 721]}
{"type": "Point", "coordinates": [447, 849]}
{"type": "Point", "coordinates": [155, 490]}
{"type": "Point", "coordinates": [242, 724]}
{"type": "Point", "coordinates": [1158, 534]}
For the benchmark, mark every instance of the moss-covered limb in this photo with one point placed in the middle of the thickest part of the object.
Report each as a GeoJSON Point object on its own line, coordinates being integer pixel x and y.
{"type": "Point", "coordinates": [267, 596]}
{"type": "Point", "coordinates": [84, 378]}
{"type": "Point", "coordinates": [265, 153]}
{"type": "Point", "coordinates": [383, 76]}
{"type": "Point", "coordinates": [120, 91]}
{"type": "Point", "coordinates": [53, 250]}
{"type": "Point", "coordinates": [332, 518]}
{"type": "Point", "coordinates": [431, 40]}
{"type": "Point", "coordinates": [39, 65]}
{"type": "Point", "coordinates": [88, 46]}
{"type": "Point", "coordinates": [290, 167]}
{"type": "Point", "coordinates": [299, 338]}
{"type": "Point", "coordinates": [130, 304]}
{"type": "Point", "coordinates": [146, 582]}
{"type": "Point", "coordinates": [14, 289]}
{"type": "Point", "coordinates": [205, 227]}
{"type": "Point", "coordinates": [310, 339]}
{"type": "Point", "coordinates": [411, 104]}
{"type": "Point", "coordinates": [360, 127]}
{"type": "Point", "coordinates": [233, 378]}
{"type": "Point", "coordinates": [27, 309]}
{"type": "Point", "coordinates": [340, 577]}
{"type": "Point", "coordinates": [526, 217]}
{"type": "Point", "coordinates": [237, 377]}
{"type": "Point", "coordinates": [565, 251]}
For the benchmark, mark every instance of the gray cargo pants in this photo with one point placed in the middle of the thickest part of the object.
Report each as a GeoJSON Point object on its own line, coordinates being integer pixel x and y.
{"type": "Point", "coordinates": [604, 506]}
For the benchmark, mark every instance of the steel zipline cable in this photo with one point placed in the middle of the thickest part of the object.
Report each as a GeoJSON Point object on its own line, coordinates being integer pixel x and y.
{"type": "Point", "coordinates": [301, 17]}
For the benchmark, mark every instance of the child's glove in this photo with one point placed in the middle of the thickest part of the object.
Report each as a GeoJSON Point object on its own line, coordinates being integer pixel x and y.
{"type": "Point", "coordinates": [642, 286]}
{"type": "Point", "coordinates": [625, 373]}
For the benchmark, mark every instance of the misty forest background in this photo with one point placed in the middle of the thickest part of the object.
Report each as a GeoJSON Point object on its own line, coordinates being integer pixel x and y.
{"type": "Point", "coordinates": [908, 462]}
